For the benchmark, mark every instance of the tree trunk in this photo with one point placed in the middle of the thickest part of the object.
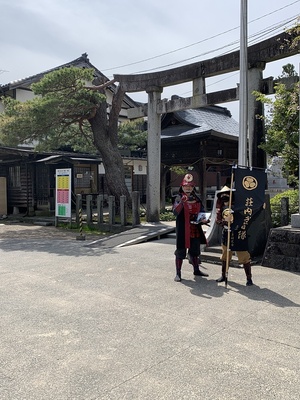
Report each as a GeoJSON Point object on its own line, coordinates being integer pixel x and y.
{"type": "Point", "coordinates": [105, 134]}
{"type": "Point", "coordinates": [114, 170]}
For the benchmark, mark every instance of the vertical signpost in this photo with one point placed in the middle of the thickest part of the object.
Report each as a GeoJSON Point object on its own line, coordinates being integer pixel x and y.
{"type": "Point", "coordinates": [63, 194]}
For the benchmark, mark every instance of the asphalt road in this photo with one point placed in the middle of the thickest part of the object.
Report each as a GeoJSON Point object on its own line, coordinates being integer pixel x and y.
{"type": "Point", "coordinates": [80, 322]}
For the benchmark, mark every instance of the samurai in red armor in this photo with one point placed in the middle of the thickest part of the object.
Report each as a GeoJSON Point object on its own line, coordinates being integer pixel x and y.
{"type": "Point", "coordinates": [190, 216]}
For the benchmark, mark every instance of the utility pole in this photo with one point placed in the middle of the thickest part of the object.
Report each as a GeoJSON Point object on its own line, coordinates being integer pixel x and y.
{"type": "Point", "coordinates": [243, 90]}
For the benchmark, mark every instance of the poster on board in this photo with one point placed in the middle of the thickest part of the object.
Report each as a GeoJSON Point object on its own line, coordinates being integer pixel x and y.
{"type": "Point", "coordinates": [63, 193]}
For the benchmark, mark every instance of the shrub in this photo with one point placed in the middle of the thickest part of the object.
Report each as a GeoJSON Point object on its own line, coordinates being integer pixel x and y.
{"type": "Point", "coordinates": [167, 215]}
{"type": "Point", "coordinates": [275, 203]}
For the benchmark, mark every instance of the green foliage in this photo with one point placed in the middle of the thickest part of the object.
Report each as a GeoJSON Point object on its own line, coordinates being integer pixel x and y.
{"type": "Point", "coordinates": [293, 182]}
{"type": "Point", "coordinates": [282, 123]}
{"type": "Point", "coordinates": [275, 203]}
{"type": "Point", "coordinates": [167, 215]}
{"type": "Point", "coordinates": [178, 170]}
{"type": "Point", "coordinates": [294, 33]}
{"type": "Point", "coordinates": [57, 116]}
{"type": "Point", "coordinates": [131, 135]}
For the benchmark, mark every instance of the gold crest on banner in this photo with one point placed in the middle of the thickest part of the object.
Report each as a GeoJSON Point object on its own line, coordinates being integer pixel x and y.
{"type": "Point", "coordinates": [249, 182]}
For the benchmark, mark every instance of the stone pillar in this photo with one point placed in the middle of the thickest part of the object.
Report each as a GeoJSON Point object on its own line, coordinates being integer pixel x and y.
{"type": "Point", "coordinates": [284, 211]}
{"type": "Point", "coordinates": [295, 220]}
{"type": "Point", "coordinates": [123, 210]}
{"type": "Point", "coordinates": [135, 196]}
{"type": "Point", "coordinates": [112, 210]}
{"type": "Point", "coordinates": [100, 200]}
{"type": "Point", "coordinates": [257, 157]}
{"type": "Point", "coordinates": [199, 86]}
{"type": "Point", "coordinates": [89, 209]}
{"type": "Point", "coordinates": [154, 155]}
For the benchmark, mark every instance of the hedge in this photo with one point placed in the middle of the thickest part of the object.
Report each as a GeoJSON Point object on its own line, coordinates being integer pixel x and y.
{"type": "Point", "coordinates": [275, 203]}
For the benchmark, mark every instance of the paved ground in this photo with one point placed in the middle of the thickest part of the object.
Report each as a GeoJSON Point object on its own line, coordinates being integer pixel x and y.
{"type": "Point", "coordinates": [81, 322]}
{"type": "Point", "coordinates": [27, 230]}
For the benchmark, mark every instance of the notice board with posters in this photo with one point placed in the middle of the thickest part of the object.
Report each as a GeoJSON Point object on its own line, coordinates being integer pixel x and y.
{"type": "Point", "coordinates": [63, 193]}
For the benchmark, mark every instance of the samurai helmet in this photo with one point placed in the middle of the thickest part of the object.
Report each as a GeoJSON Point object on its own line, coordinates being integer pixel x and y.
{"type": "Point", "coordinates": [188, 180]}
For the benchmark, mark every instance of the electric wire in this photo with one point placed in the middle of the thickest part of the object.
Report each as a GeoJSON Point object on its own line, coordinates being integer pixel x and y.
{"type": "Point", "coordinates": [255, 39]}
{"type": "Point", "coordinates": [198, 42]}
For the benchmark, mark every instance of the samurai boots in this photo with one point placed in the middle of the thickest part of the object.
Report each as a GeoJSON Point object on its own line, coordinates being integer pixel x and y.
{"type": "Point", "coordinates": [222, 277]}
{"type": "Point", "coordinates": [178, 264]}
{"type": "Point", "coordinates": [200, 273]}
{"type": "Point", "coordinates": [190, 259]}
{"type": "Point", "coordinates": [195, 264]}
{"type": "Point", "coordinates": [247, 269]}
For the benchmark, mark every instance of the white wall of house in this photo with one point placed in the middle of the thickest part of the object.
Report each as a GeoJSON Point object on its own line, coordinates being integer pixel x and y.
{"type": "Point", "coordinates": [132, 166]}
{"type": "Point", "coordinates": [24, 95]}
{"type": "Point", "coordinates": [139, 166]}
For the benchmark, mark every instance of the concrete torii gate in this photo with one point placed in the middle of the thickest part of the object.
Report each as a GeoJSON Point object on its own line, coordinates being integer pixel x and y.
{"type": "Point", "coordinates": [153, 83]}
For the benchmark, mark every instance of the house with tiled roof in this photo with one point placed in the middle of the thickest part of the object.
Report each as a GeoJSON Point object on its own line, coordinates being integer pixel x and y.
{"type": "Point", "coordinates": [199, 121]}
{"type": "Point", "coordinates": [205, 141]}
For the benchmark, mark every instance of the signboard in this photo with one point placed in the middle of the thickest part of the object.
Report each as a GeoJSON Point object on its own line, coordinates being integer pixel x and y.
{"type": "Point", "coordinates": [63, 193]}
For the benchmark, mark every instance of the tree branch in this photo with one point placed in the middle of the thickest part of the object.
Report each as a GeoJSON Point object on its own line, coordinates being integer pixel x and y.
{"type": "Point", "coordinates": [99, 87]}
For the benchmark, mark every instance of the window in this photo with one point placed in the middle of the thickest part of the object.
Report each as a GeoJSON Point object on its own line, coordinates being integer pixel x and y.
{"type": "Point", "coordinates": [14, 178]}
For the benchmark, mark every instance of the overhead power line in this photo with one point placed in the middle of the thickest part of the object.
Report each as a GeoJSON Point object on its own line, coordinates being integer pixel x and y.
{"type": "Point", "coordinates": [201, 41]}
{"type": "Point", "coordinates": [260, 35]}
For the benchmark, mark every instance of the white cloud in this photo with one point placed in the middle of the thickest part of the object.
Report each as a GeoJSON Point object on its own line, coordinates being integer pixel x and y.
{"type": "Point", "coordinates": [40, 35]}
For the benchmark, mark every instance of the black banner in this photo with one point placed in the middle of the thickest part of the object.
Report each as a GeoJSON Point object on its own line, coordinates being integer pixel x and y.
{"type": "Point", "coordinates": [249, 198]}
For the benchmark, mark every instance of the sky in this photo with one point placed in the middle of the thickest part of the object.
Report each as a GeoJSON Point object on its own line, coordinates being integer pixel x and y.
{"type": "Point", "coordinates": [136, 36]}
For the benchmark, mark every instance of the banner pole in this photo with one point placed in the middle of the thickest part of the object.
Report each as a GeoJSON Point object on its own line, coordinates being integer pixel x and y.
{"type": "Point", "coordinates": [228, 229]}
